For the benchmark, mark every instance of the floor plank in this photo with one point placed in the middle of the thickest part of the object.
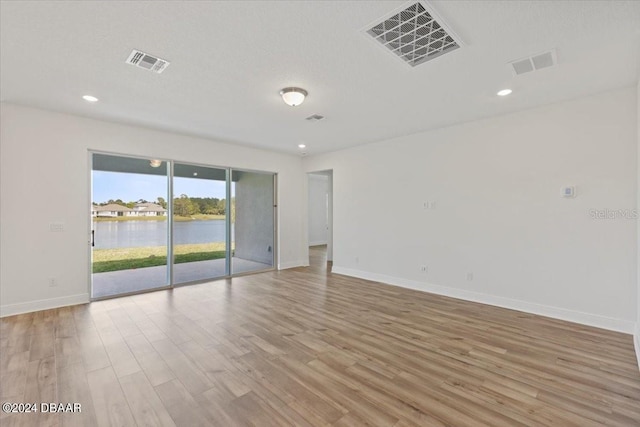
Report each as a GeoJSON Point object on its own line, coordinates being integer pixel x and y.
{"type": "Point", "coordinates": [147, 408]}
{"type": "Point", "coordinates": [109, 401]}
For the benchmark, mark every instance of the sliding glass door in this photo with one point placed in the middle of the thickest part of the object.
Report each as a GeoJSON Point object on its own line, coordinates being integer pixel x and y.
{"type": "Point", "coordinates": [199, 223]}
{"type": "Point", "coordinates": [253, 219]}
{"type": "Point", "coordinates": [129, 225]}
{"type": "Point", "coordinates": [159, 223]}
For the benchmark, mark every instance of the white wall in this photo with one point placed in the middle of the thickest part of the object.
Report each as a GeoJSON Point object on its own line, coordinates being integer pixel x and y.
{"type": "Point", "coordinates": [318, 220]}
{"type": "Point", "coordinates": [498, 213]}
{"type": "Point", "coordinates": [45, 163]}
{"type": "Point", "coordinates": [637, 331]}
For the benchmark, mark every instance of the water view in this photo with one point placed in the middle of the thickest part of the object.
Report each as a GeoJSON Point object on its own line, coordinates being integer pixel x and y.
{"type": "Point", "coordinates": [119, 234]}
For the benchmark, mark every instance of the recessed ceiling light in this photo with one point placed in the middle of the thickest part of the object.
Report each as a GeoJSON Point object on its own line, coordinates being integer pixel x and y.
{"type": "Point", "coordinates": [293, 96]}
{"type": "Point", "coordinates": [504, 92]}
{"type": "Point", "coordinates": [90, 98]}
{"type": "Point", "coordinates": [302, 146]}
{"type": "Point", "coordinates": [155, 163]}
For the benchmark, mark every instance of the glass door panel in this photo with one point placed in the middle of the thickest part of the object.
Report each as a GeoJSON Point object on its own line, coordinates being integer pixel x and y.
{"type": "Point", "coordinates": [129, 225]}
{"type": "Point", "coordinates": [199, 223]}
{"type": "Point", "coordinates": [253, 221]}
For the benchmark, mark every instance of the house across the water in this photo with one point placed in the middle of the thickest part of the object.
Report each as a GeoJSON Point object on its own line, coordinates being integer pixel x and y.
{"type": "Point", "coordinates": [113, 210]}
{"type": "Point", "coordinates": [148, 209]}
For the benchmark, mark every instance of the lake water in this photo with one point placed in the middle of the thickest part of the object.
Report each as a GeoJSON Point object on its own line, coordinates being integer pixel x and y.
{"type": "Point", "coordinates": [127, 234]}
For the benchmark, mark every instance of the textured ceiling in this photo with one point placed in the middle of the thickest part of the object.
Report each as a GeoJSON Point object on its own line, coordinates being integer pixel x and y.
{"type": "Point", "coordinates": [230, 59]}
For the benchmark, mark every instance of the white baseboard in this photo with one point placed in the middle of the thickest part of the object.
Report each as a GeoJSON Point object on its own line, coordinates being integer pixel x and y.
{"type": "Point", "coordinates": [293, 264]}
{"type": "Point", "coordinates": [598, 321]}
{"type": "Point", "coordinates": [43, 304]}
{"type": "Point", "coordinates": [318, 243]}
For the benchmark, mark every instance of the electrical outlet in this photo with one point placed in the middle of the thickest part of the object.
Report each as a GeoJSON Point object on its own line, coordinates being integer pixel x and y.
{"type": "Point", "coordinates": [469, 276]}
{"type": "Point", "coordinates": [52, 282]}
{"type": "Point", "coordinates": [56, 227]}
{"type": "Point", "coordinates": [357, 260]}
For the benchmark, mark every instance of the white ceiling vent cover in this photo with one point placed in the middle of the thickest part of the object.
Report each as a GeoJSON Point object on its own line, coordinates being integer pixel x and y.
{"type": "Point", "coordinates": [415, 34]}
{"type": "Point", "coordinates": [315, 118]}
{"type": "Point", "coordinates": [534, 63]}
{"type": "Point", "coordinates": [146, 61]}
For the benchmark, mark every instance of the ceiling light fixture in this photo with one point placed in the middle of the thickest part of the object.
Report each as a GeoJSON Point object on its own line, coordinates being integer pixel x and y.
{"type": "Point", "coordinates": [155, 163]}
{"type": "Point", "coordinates": [90, 98]}
{"type": "Point", "coordinates": [293, 96]}
{"type": "Point", "coordinates": [302, 146]}
{"type": "Point", "coordinates": [504, 92]}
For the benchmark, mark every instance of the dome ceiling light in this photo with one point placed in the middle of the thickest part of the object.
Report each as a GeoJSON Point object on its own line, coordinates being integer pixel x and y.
{"type": "Point", "coordinates": [293, 96]}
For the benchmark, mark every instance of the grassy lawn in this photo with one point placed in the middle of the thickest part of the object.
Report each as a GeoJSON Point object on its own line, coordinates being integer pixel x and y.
{"type": "Point", "coordinates": [196, 217]}
{"type": "Point", "coordinates": [128, 258]}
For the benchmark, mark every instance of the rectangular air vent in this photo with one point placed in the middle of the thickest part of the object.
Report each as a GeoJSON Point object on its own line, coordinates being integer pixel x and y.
{"type": "Point", "coordinates": [315, 118]}
{"type": "Point", "coordinates": [146, 61]}
{"type": "Point", "coordinates": [415, 35]}
{"type": "Point", "coordinates": [534, 63]}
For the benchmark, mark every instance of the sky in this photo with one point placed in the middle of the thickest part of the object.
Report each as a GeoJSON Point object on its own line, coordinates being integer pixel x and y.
{"type": "Point", "coordinates": [130, 187]}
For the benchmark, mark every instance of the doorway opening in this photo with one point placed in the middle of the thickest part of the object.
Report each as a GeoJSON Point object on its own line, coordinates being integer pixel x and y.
{"type": "Point", "coordinates": [320, 215]}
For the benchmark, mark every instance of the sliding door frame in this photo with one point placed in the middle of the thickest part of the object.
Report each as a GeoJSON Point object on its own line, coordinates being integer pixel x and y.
{"type": "Point", "coordinates": [170, 224]}
{"type": "Point", "coordinates": [276, 245]}
{"type": "Point", "coordinates": [170, 254]}
{"type": "Point", "coordinates": [90, 227]}
{"type": "Point", "coordinates": [227, 223]}
{"type": "Point", "coordinates": [227, 214]}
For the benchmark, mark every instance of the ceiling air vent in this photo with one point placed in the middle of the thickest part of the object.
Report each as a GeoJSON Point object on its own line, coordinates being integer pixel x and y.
{"type": "Point", "coordinates": [534, 63]}
{"type": "Point", "coordinates": [146, 61]}
{"type": "Point", "coordinates": [315, 118]}
{"type": "Point", "coordinates": [415, 35]}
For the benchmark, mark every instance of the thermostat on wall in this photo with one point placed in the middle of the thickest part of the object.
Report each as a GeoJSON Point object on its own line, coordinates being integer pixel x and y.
{"type": "Point", "coordinates": [569, 192]}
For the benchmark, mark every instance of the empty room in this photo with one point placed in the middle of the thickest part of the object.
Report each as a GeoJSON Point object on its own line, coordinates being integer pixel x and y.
{"type": "Point", "coordinates": [193, 199]}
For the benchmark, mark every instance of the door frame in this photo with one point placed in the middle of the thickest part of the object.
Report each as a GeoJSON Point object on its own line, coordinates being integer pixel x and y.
{"type": "Point", "coordinates": [330, 209]}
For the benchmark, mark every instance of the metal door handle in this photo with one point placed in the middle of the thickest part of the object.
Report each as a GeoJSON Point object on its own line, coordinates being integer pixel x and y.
{"type": "Point", "coordinates": [93, 238]}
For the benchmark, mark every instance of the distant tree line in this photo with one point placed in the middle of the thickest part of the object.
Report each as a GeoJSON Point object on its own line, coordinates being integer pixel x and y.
{"type": "Point", "coordinates": [182, 206]}
{"type": "Point", "coordinates": [187, 206]}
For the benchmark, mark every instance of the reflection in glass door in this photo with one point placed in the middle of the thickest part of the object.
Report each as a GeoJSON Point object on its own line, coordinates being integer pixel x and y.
{"type": "Point", "coordinates": [129, 225]}
{"type": "Point", "coordinates": [253, 221]}
{"type": "Point", "coordinates": [199, 223]}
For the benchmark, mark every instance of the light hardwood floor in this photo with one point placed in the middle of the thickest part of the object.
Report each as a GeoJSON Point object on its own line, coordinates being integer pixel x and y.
{"type": "Point", "coordinates": [304, 347]}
